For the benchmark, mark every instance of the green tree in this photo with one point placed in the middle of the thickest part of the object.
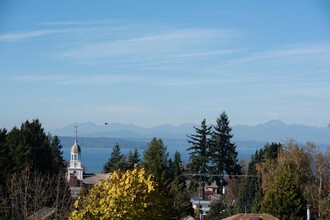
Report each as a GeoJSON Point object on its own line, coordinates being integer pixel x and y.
{"type": "Point", "coordinates": [178, 188]}
{"type": "Point", "coordinates": [129, 195]}
{"type": "Point", "coordinates": [57, 162]}
{"type": "Point", "coordinates": [133, 159]}
{"type": "Point", "coordinates": [155, 161]}
{"type": "Point", "coordinates": [289, 175]}
{"type": "Point", "coordinates": [223, 154]}
{"type": "Point", "coordinates": [284, 199]}
{"type": "Point", "coordinates": [30, 161]}
{"type": "Point", "coordinates": [30, 147]}
{"type": "Point", "coordinates": [250, 193]}
{"type": "Point", "coordinates": [199, 156]}
{"type": "Point", "coordinates": [6, 161]}
{"type": "Point", "coordinates": [172, 188]}
{"type": "Point", "coordinates": [116, 161]}
{"type": "Point", "coordinates": [177, 169]}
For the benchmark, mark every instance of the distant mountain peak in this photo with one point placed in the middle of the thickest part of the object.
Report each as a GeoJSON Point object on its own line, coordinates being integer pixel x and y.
{"type": "Point", "coordinates": [275, 123]}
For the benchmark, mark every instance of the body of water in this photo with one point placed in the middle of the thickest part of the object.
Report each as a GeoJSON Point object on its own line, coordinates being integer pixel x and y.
{"type": "Point", "coordinates": [94, 158]}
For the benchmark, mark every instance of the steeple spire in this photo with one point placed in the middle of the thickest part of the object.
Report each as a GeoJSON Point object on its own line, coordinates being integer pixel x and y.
{"type": "Point", "coordinates": [76, 139]}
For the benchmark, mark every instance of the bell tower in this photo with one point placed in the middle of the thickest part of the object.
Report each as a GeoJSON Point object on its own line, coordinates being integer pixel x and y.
{"type": "Point", "coordinates": [75, 170]}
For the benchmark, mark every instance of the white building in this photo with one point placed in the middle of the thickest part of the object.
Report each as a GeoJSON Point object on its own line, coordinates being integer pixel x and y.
{"type": "Point", "coordinates": [75, 169]}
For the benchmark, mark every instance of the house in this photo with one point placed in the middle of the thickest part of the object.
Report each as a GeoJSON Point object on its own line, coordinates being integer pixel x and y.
{"type": "Point", "coordinates": [203, 206]}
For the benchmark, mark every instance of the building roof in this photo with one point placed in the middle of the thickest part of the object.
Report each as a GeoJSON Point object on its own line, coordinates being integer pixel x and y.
{"type": "Point", "coordinates": [251, 216]}
{"type": "Point", "coordinates": [95, 179]}
{"type": "Point", "coordinates": [75, 149]}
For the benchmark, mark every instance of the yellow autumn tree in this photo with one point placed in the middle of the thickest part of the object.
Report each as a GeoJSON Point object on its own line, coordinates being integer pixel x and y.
{"type": "Point", "coordinates": [129, 195]}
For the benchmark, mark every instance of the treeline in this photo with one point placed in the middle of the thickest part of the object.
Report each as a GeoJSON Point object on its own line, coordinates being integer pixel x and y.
{"type": "Point", "coordinates": [280, 179]}
{"type": "Point", "coordinates": [283, 179]}
{"type": "Point", "coordinates": [32, 173]}
{"type": "Point", "coordinates": [212, 157]}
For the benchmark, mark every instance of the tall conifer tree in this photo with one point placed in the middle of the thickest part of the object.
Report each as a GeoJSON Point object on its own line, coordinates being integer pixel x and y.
{"type": "Point", "coordinates": [155, 160]}
{"type": "Point", "coordinates": [116, 160]}
{"type": "Point", "coordinates": [199, 156]}
{"type": "Point", "coordinates": [223, 152]}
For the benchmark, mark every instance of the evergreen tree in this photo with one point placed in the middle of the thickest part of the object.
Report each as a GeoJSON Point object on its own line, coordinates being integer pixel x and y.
{"type": "Point", "coordinates": [31, 147]}
{"type": "Point", "coordinates": [6, 162]}
{"type": "Point", "coordinates": [223, 154]}
{"type": "Point", "coordinates": [250, 193]}
{"type": "Point", "coordinates": [178, 188]}
{"type": "Point", "coordinates": [133, 159]}
{"type": "Point", "coordinates": [155, 160]}
{"type": "Point", "coordinates": [177, 169]}
{"type": "Point", "coordinates": [199, 156]}
{"type": "Point", "coordinates": [116, 161]}
{"type": "Point", "coordinates": [27, 156]}
{"type": "Point", "coordinates": [156, 164]}
{"type": "Point", "coordinates": [57, 162]}
{"type": "Point", "coordinates": [285, 199]}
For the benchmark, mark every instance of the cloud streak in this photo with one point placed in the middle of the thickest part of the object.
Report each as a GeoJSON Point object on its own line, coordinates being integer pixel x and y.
{"type": "Point", "coordinates": [184, 44]}
{"type": "Point", "coordinates": [29, 34]}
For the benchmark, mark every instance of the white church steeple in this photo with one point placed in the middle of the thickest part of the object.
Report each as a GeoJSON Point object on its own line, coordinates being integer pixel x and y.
{"type": "Point", "coordinates": [75, 168]}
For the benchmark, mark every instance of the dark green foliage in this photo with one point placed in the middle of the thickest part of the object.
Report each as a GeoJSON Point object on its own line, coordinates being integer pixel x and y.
{"type": "Point", "coordinates": [155, 160]}
{"type": "Point", "coordinates": [6, 162]}
{"type": "Point", "coordinates": [223, 153]}
{"type": "Point", "coordinates": [155, 163]}
{"type": "Point", "coordinates": [199, 156]}
{"type": "Point", "coordinates": [31, 164]}
{"type": "Point", "coordinates": [178, 188]}
{"type": "Point", "coordinates": [117, 161]}
{"type": "Point", "coordinates": [250, 191]}
{"type": "Point", "coordinates": [285, 199]}
{"type": "Point", "coordinates": [177, 169]}
{"type": "Point", "coordinates": [133, 158]}
{"type": "Point", "coordinates": [57, 162]}
{"type": "Point", "coordinates": [169, 177]}
{"type": "Point", "coordinates": [30, 147]}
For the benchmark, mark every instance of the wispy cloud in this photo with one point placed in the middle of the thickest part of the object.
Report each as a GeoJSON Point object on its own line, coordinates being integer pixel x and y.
{"type": "Point", "coordinates": [76, 79]}
{"type": "Point", "coordinates": [19, 36]}
{"type": "Point", "coordinates": [287, 54]}
{"type": "Point", "coordinates": [182, 44]}
{"type": "Point", "coordinates": [29, 34]}
{"type": "Point", "coordinates": [37, 78]}
{"type": "Point", "coordinates": [68, 80]}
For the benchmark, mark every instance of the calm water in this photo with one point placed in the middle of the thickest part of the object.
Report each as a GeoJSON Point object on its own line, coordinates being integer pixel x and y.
{"type": "Point", "coordinates": [94, 158]}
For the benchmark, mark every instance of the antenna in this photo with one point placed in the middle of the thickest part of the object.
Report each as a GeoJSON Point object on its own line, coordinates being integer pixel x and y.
{"type": "Point", "coordinates": [76, 140]}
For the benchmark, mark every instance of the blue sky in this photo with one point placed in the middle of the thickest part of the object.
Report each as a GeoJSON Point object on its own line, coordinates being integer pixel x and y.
{"type": "Point", "coordinates": [156, 62]}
